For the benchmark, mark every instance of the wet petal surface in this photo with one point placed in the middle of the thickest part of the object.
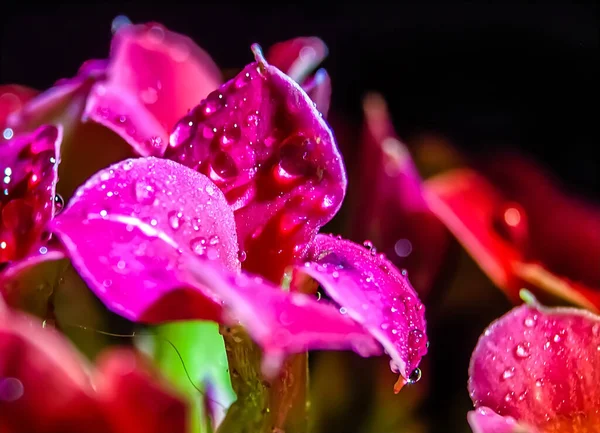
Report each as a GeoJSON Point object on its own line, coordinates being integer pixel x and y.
{"type": "Point", "coordinates": [485, 420]}
{"type": "Point", "coordinates": [128, 226]}
{"type": "Point", "coordinates": [370, 290]}
{"type": "Point", "coordinates": [541, 366]}
{"type": "Point", "coordinates": [154, 77]}
{"type": "Point", "coordinates": [28, 173]}
{"type": "Point", "coordinates": [260, 139]}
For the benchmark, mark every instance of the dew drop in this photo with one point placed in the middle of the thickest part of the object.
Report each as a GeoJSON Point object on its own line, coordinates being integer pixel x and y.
{"type": "Point", "coordinates": [508, 373]}
{"type": "Point", "coordinates": [368, 244]}
{"type": "Point", "coordinates": [414, 376]}
{"type": "Point", "coordinates": [522, 350]}
{"type": "Point", "coordinates": [529, 322]}
{"type": "Point", "coordinates": [175, 219]}
{"type": "Point", "coordinates": [59, 203]}
{"type": "Point", "coordinates": [198, 245]}
{"type": "Point", "coordinates": [144, 192]}
{"type": "Point", "coordinates": [242, 255]}
{"type": "Point", "coordinates": [343, 310]}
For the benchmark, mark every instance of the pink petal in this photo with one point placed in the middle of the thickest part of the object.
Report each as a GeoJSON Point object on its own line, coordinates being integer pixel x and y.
{"type": "Point", "coordinates": [375, 294]}
{"type": "Point", "coordinates": [540, 366]}
{"type": "Point", "coordinates": [390, 209]}
{"type": "Point", "coordinates": [155, 77]}
{"type": "Point", "coordinates": [12, 99]}
{"type": "Point", "coordinates": [28, 169]}
{"type": "Point", "coordinates": [485, 420]}
{"type": "Point", "coordinates": [127, 389]}
{"type": "Point", "coordinates": [264, 144]}
{"type": "Point", "coordinates": [128, 249]}
{"type": "Point", "coordinates": [496, 232]}
{"type": "Point", "coordinates": [129, 224]}
{"type": "Point", "coordinates": [297, 57]}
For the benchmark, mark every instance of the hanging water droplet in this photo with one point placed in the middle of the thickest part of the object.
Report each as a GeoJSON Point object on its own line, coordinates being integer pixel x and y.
{"type": "Point", "coordinates": [59, 203]}
{"type": "Point", "coordinates": [242, 255]}
{"type": "Point", "coordinates": [414, 376]}
{"type": "Point", "coordinates": [368, 244]}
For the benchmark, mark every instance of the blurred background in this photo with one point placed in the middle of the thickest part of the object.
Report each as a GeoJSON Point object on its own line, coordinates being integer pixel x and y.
{"type": "Point", "coordinates": [480, 77]}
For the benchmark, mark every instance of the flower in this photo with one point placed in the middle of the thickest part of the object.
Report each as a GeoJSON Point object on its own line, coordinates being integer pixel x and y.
{"type": "Point", "coordinates": [249, 177]}
{"type": "Point", "coordinates": [522, 229]}
{"type": "Point", "coordinates": [47, 387]}
{"type": "Point", "coordinates": [536, 369]}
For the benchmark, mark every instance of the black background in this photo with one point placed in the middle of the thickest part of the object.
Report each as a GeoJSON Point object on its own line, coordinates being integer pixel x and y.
{"type": "Point", "coordinates": [485, 76]}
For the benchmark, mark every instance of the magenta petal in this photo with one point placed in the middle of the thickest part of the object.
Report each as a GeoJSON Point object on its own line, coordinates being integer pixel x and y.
{"type": "Point", "coordinates": [283, 322]}
{"type": "Point", "coordinates": [155, 77]}
{"type": "Point", "coordinates": [318, 88]}
{"type": "Point", "coordinates": [540, 366]}
{"type": "Point", "coordinates": [12, 98]}
{"type": "Point", "coordinates": [297, 57]}
{"type": "Point", "coordinates": [28, 169]}
{"type": "Point", "coordinates": [375, 294]}
{"type": "Point", "coordinates": [261, 140]}
{"type": "Point", "coordinates": [485, 420]}
{"type": "Point", "coordinates": [127, 228]}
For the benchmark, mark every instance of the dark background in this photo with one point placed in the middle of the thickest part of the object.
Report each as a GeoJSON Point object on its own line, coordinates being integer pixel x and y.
{"type": "Point", "coordinates": [486, 77]}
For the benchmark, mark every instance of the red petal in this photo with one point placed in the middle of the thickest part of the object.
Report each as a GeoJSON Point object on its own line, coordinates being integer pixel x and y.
{"type": "Point", "coordinates": [43, 385]}
{"type": "Point", "coordinates": [12, 99]}
{"type": "Point", "coordinates": [134, 401]}
{"type": "Point", "coordinates": [155, 77]}
{"type": "Point", "coordinates": [263, 143]}
{"type": "Point", "coordinates": [542, 367]}
{"type": "Point", "coordinates": [495, 231]}
{"type": "Point", "coordinates": [28, 173]}
{"type": "Point", "coordinates": [375, 294]}
{"type": "Point", "coordinates": [391, 210]}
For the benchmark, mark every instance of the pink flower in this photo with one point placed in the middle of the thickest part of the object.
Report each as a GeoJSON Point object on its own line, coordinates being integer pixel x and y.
{"type": "Point", "coordinates": [537, 370]}
{"type": "Point", "coordinates": [522, 229]}
{"type": "Point", "coordinates": [47, 387]}
{"type": "Point", "coordinates": [255, 173]}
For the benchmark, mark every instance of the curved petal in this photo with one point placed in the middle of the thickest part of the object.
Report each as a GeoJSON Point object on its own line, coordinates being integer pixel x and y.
{"type": "Point", "coordinates": [298, 57]}
{"type": "Point", "coordinates": [43, 383]}
{"type": "Point", "coordinates": [540, 366]}
{"type": "Point", "coordinates": [318, 88]}
{"type": "Point", "coordinates": [126, 388]}
{"type": "Point", "coordinates": [12, 99]}
{"type": "Point", "coordinates": [142, 214]}
{"type": "Point", "coordinates": [154, 78]}
{"type": "Point", "coordinates": [391, 210]}
{"type": "Point", "coordinates": [485, 420]}
{"type": "Point", "coordinates": [375, 294]}
{"type": "Point", "coordinates": [145, 267]}
{"type": "Point", "coordinates": [28, 169]}
{"type": "Point", "coordinates": [496, 232]}
{"type": "Point", "coordinates": [264, 144]}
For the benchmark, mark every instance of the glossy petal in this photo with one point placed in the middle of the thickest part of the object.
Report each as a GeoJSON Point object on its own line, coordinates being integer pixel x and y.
{"type": "Point", "coordinates": [28, 168]}
{"type": "Point", "coordinates": [138, 262]}
{"type": "Point", "coordinates": [129, 224]}
{"type": "Point", "coordinates": [496, 231]}
{"type": "Point", "coordinates": [390, 209]}
{"type": "Point", "coordinates": [12, 99]}
{"type": "Point", "coordinates": [374, 293]}
{"type": "Point", "coordinates": [297, 57]}
{"type": "Point", "coordinates": [485, 420]}
{"type": "Point", "coordinates": [264, 144]}
{"type": "Point", "coordinates": [45, 387]}
{"type": "Point", "coordinates": [541, 366]}
{"type": "Point", "coordinates": [155, 77]}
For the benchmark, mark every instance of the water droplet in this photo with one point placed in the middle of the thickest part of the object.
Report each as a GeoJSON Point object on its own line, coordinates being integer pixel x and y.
{"type": "Point", "coordinates": [556, 338]}
{"type": "Point", "coordinates": [149, 95]}
{"type": "Point", "coordinates": [368, 244]}
{"type": "Point", "coordinates": [175, 219]}
{"type": "Point", "coordinates": [214, 240]}
{"type": "Point", "coordinates": [223, 167]}
{"type": "Point", "coordinates": [403, 247]}
{"type": "Point", "coordinates": [107, 283]}
{"type": "Point", "coordinates": [198, 245]}
{"type": "Point", "coordinates": [8, 133]}
{"type": "Point", "coordinates": [183, 131]}
{"type": "Point", "coordinates": [529, 321]}
{"type": "Point", "coordinates": [242, 255]}
{"type": "Point", "coordinates": [343, 310]}
{"type": "Point", "coordinates": [414, 376]}
{"type": "Point", "coordinates": [59, 203]}
{"type": "Point", "coordinates": [508, 373]}
{"type": "Point", "coordinates": [144, 192]}
{"type": "Point", "coordinates": [522, 350]}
